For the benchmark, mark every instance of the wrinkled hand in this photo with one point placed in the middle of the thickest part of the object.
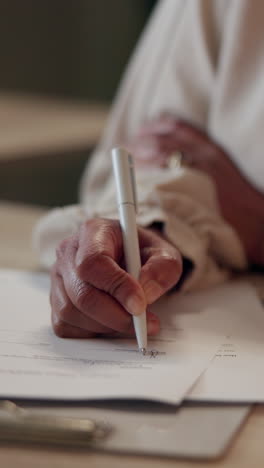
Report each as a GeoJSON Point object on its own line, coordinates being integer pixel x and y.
{"type": "Point", "coordinates": [239, 201]}
{"type": "Point", "coordinates": [91, 293]}
{"type": "Point", "coordinates": [158, 139]}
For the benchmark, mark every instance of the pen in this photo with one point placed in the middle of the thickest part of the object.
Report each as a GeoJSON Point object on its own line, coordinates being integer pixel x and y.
{"type": "Point", "coordinates": [123, 167]}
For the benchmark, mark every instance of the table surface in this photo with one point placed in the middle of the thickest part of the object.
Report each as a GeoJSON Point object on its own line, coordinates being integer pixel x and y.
{"type": "Point", "coordinates": [247, 450]}
{"type": "Point", "coordinates": [31, 125]}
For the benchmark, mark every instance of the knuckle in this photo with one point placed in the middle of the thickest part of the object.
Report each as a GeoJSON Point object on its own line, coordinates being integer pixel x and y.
{"type": "Point", "coordinates": [88, 223]}
{"type": "Point", "coordinates": [66, 312]}
{"type": "Point", "coordinates": [82, 295]}
{"type": "Point", "coordinates": [60, 249]}
{"type": "Point", "coordinates": [99, 223]}
{"type": "Point", "coordinates": [91, 262]}
{"type": "Point", "coordinates": [101, 240]}
{"type": "Point", "coordinates": [97, 269]}
{"type": "Point", "coordinates": [61, 305]}
{"type": "Point", "coordinates": [117, 282]}
{"type": "Point", "coordinates": [86, 297]}
{"type": "Point", "coordinates": [63, 245]}
{"type": "Point", "coordinates": [61, 329]}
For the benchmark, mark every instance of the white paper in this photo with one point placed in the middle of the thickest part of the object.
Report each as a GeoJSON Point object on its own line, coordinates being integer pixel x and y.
{"type": "Point", "coordinates": [36, 364]}
{"type": "Point", "coordinates": [235, 315]}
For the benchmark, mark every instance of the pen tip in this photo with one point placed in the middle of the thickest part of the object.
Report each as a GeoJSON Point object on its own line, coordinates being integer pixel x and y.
{"type": "Point", "coordinates": [143, 351]}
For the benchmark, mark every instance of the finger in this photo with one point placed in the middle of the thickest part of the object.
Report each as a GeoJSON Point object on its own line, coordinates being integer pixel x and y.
{"type": "Point", "coordinates": [190, 132]}
{"type": "Point", "coordinates": [169, 134]}
{"type": "Point", "coordinates": [64, 330]}
{"type": "Point", "coordinates": [150, 147]}
{"type": "Point", "coordinates": [163, 125]}
{"type": "Point", "coordinates": [96, 304]}
{"type": "Point", "coordinates": [167, 124]}
{"type": "Point", "coordinates": [190, 139]}
{"type": "Point", "coordinates": [100, 249]}
{"type": "Point", "coordinates": [162, 266]}
{"type": "Point", "coordinates": [67, 313]}
{"type": "Point", "coordinates": [154, 151]}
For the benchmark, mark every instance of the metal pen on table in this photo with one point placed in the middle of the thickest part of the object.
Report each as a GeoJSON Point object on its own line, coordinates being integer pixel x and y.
{"type": "Point", "coordinates": [127, 205]}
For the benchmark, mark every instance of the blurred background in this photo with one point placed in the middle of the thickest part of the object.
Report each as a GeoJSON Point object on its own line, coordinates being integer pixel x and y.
{"type": "Point", "coordinates": [61, 61]}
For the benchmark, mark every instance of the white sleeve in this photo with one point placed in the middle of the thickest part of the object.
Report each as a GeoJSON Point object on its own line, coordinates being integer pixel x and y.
{"type": "Point", "coordinates": [185, 202]}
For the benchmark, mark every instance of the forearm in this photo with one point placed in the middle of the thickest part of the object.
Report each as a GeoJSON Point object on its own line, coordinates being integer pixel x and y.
{"type": "Point", "coordinates": [241, 205]}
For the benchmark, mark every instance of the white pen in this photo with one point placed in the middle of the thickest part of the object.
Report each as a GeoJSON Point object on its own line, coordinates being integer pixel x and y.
{"type": "Point", "coordinates": [127, 205]}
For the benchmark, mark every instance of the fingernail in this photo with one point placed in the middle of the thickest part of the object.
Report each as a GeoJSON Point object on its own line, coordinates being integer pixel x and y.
{"type": "Point", "coordinates": [135, 306]}
{"type": "Point", "coordinates": [153, 326]}
{"type": "Point", "coordinates": [152, 291]}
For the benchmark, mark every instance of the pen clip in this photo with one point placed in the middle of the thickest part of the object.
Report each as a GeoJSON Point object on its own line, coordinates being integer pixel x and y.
{"type": "Point", "coordinates": [133, 181]}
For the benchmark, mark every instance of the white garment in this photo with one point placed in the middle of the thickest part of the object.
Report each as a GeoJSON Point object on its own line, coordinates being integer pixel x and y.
{"type": "Point", "coordinates": [202, 60]}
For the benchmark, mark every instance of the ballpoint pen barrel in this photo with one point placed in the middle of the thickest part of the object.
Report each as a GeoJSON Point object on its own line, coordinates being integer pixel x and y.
{"type": "Point", "coordinates": [133, 264]}
{"type": "Point", "coordinates": [124, 176]}
{"type": "Point", "coordinates": [127, 201]}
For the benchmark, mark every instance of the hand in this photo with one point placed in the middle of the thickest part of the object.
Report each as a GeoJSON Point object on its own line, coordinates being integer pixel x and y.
{"type": "Point", "coordinates": [158, 139]}
{"type": "Point", "coordinates": [92, 295]}
{"type": "Point", "coordinates": [155, 141]}
{"type": "Point", "coordinates": [239, 201]}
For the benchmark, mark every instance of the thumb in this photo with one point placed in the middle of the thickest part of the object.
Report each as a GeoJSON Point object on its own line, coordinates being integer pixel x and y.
{"type": "Point", "coordinates": [161, 271]}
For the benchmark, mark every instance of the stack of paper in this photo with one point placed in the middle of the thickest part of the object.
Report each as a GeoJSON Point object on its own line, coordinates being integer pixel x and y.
{"type": "Point", "coordinates": [36, 364]}
{"type": "Point", "coordinates": [233, 314]}
{"type": "Point", "coordinates": [210, 348]}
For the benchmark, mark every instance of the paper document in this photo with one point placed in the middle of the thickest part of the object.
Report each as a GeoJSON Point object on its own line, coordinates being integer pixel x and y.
{"type": "Point", "coordinates": [234, 313]}
{"type": "Point", "coordinates": [36, 364]}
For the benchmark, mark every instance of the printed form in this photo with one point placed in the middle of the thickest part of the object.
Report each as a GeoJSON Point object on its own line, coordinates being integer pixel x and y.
{"type": "Point", "coordinates": [36, 364]}
{"type": "Point", "coordinates": [211, 348]}
{"type": "Point", "coordinates": [235, 316]}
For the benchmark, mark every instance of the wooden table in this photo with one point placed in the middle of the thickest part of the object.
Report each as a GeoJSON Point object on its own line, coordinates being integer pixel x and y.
{"type": "Point", "coordinates": [247, 451]}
